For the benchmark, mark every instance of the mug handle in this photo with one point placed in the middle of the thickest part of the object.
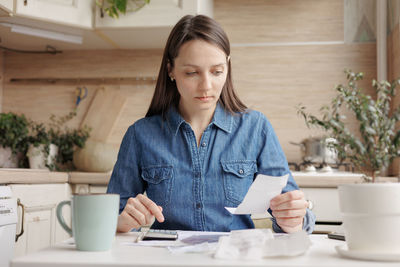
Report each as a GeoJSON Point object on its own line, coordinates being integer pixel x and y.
{"type": "Point", "coordinates": [60, 218]}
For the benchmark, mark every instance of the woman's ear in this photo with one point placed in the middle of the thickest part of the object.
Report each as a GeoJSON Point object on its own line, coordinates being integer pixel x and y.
{"type": "Point", "coordinates": [169, 68]}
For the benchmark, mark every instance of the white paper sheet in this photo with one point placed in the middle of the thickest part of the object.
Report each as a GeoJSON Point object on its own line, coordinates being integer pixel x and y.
{"type": "Point", "coordinates": [185, 238]}
{"type": "Point", "coordinates": [260, 193]}
{"type": "Point", "coordinates": [255, 244]}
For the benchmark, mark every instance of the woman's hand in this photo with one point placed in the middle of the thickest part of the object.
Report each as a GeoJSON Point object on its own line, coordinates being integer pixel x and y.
{"type": "Point", "coordinates": [138, 211]}
{"type": "Point", "coordinates": [289, 209]}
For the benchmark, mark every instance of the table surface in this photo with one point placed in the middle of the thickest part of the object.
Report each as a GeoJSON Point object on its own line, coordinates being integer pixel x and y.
{"type": "Point", "coordinates": [321, 253]}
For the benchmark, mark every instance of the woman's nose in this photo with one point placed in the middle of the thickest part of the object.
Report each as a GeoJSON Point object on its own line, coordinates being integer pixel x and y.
{"type": "Point", "coordinates": [205, 82]}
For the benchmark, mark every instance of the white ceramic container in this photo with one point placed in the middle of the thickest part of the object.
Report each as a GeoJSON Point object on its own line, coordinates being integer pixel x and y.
{"type": "Point", "coordinates": [371, 216]}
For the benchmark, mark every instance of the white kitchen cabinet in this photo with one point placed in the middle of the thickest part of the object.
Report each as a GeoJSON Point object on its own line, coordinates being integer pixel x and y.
{"type": "Point", "coordinates": [325, 202]}
{"type": "Point", "coordinates": [88, 189]}
{"type": "Point", "coordinates": [159, 13]}
{"type": "Point", "coordinates": [7, 5]}
{"type": "Point", "coordinates": [77, 13]}
{"type": "Point", "coordinates": [41, 228]}
{"type": "Point", "coordinates": [325, 206]}
{"type": "Point", "coordinates": [37, 234]}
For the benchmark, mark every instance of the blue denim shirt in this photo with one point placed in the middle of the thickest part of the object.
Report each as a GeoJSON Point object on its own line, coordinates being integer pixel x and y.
{"type": "Point", "coordinates": [194, 183]}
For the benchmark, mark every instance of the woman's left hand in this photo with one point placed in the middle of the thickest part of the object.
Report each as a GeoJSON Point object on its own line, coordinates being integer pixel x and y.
{"type": "Point", "coordinates": [289, 210]}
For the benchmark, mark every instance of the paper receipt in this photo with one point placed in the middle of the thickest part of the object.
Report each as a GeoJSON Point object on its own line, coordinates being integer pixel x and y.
{"type": "Point", "coordinates": [261, 191]}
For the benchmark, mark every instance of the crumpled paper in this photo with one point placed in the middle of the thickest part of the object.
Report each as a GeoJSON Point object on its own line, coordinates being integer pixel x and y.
{"type": "Point", "coordinates": [255, 244]}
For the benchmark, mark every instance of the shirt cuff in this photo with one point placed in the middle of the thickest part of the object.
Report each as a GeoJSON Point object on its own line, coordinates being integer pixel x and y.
{"type": "Point", "coordinates": [308, 223]}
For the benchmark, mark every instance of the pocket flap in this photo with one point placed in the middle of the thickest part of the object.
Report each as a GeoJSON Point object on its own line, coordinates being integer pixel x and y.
{"type": "Point", "coordinates": [240, 168]}
{"type": "Point", "coordinates": [155, 174]}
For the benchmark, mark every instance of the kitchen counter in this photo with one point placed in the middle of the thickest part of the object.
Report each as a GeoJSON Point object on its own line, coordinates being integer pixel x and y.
{"type": "Point", "coordinates": [333, 179]}
{"type": "Point", "coordinates": [125, 253]}
{"type": "Point", "coordinates": [95, 178]}
{"type": "Point", "coordinates": [31, 176]}
{"type": "Point", "coordinates": [38, 176]}
{"type": "Point", "coordinates": [303, 179]}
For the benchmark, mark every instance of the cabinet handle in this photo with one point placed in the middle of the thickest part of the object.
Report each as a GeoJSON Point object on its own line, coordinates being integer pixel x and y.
{"type": "Point", "coordinates": [310, 204]}
{"type": "Point", "coordinates": [22, 220]}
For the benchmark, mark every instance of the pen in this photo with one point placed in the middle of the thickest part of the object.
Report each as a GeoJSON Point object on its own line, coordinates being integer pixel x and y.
{"type": "Point", "coordinates": [140, 237]}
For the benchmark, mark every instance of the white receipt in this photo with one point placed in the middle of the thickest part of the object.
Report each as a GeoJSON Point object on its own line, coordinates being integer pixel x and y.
{"type": "Point", "coordinates": [257, 199]}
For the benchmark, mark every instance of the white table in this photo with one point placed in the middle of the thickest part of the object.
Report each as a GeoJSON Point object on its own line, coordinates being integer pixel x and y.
{"type": "Point", "coordinates": [321, 253]}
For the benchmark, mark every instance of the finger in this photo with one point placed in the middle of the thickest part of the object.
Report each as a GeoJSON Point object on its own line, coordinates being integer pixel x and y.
{"type": "Point", "coordinates": [285, 197]}
{"type": "Point", "coordinates": [152, 207]}
{"type": "Point", "coordinates": [136, 214]}
{"type": "Point", "coordinates": [289, 213]}
{"type": "Point", "coordinates": [293, 204]}
{"type": "Point", "coordinates": [289, 222]}
{"type": "Point", "coordinates": [140, 207]}
{"type": "Point", "coordinates": [126, 222]}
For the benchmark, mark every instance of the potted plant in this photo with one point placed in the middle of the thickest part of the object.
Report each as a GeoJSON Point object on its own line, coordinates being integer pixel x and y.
{"type": "Point", "coordinates": [371, 211]}
{"type": "Point", "coordinates": [57, 142]}
{"type": "Point", "coordinates": [42, 152]}
{"type": "Point", "coordinates": [13, 143]}
{"type": "Point", "coordinates": [67, 140]}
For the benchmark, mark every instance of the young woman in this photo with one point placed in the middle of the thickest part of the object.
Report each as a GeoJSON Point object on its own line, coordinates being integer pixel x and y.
{"type": "Point", "coordinates": [199, 148]}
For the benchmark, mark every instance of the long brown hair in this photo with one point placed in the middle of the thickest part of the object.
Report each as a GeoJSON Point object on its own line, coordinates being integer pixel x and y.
{"type": "Point", "coordinates": [192, 28]}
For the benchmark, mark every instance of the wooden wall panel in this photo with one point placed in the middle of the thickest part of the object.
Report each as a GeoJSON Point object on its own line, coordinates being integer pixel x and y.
{"type": "Point", "coordinates": [280, 20]}
{"type": "Point", "coordinates": [275, 80]}
{"type": "Point", "coordinates": [39, 100]}
{"type": "Point", "coordinates": [84, 63]}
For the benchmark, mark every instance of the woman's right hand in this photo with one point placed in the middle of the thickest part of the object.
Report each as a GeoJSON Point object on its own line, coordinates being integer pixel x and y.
{"type": "Point", "coordinates": [138, 211]}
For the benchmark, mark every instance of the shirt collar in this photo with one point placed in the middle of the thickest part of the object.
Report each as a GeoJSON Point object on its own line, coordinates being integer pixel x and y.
{"type": "Point", "coordinates": [222, 119]}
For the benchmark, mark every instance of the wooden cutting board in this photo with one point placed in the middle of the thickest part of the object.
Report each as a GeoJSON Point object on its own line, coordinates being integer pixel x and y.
{"type": "Point", "coordinates": [103, 113]}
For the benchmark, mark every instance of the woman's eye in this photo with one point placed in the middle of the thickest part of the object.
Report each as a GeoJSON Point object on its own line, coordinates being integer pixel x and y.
{"type": "Point", "coordinates": [218, 72]}
{"type": "Point", "coordinates": [191, 73]}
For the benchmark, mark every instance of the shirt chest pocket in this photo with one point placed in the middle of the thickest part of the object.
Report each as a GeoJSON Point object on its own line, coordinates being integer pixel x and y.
{"type": "Point", "coordinates": [159, 183]}
{"type": "Point", "coordinates": [238, 176]}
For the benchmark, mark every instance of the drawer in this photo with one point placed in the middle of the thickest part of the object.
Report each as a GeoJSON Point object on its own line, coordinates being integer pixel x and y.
{"type": "Point", "coordinates": [325, 203]}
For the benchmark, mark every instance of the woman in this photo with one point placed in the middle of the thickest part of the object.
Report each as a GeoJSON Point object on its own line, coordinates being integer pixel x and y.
{"type": "Point", "coordinates": [199, 148]}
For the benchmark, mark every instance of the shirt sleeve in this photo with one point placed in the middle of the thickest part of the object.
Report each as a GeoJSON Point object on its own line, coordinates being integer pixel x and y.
{"type": "Point", "coordinates": [272, 161]}
{"type": "Point", "coordinates": [125, 179]}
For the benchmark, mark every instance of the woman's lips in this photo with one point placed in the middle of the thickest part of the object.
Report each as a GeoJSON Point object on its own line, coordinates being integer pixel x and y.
{"type": "Point", "coordinates": [204, 98]}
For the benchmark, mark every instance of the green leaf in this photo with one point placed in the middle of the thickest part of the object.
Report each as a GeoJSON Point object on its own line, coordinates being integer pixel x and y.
{"type": "Point", "coordinates": [121, 5]}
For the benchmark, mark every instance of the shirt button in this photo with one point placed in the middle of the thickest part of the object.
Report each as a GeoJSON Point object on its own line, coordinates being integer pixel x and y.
{"type": "Point", "coordinates": [198, 205]}
{"type": "Point", "coordinates": [203, 144]}
{"type": "Point", "coordinates": [241, 171]}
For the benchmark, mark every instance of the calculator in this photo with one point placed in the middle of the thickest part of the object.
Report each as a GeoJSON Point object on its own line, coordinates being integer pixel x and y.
{"type": "Point", "coordinates": [158, 234]}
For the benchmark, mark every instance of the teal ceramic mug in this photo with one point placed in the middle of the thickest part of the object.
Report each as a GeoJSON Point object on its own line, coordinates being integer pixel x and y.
{"type": "Point", "coordinates": [94, 220]}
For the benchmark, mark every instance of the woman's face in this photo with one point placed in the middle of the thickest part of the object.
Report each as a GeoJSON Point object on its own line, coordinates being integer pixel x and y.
{"type": "Point", "coordinates": [200, 73]}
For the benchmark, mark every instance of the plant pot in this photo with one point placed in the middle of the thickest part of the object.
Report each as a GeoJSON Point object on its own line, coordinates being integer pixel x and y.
{"type": "Point", "coordinates": [37, 158]}
{"type": "Point", "coordinates": [95, 157]}
{"type": "Point", "coordinates": [371, 216]}
{"type": "Point", "coordinates": [7, 158]}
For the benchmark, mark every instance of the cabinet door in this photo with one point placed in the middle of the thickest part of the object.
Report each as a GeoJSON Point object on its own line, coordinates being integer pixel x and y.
{"type": "Point", "coordinates": [7, 5]}
{"type": "Point", "coordinates": [41, 228]}
{"type": "Point", "coordinates": [159, 13]}
{"type": "Point", "coordinates": [325, 203]}
{"type": "Point", "coordinates": [77, 13]}
{"type": "Point", "coordinates": [37, 232]}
